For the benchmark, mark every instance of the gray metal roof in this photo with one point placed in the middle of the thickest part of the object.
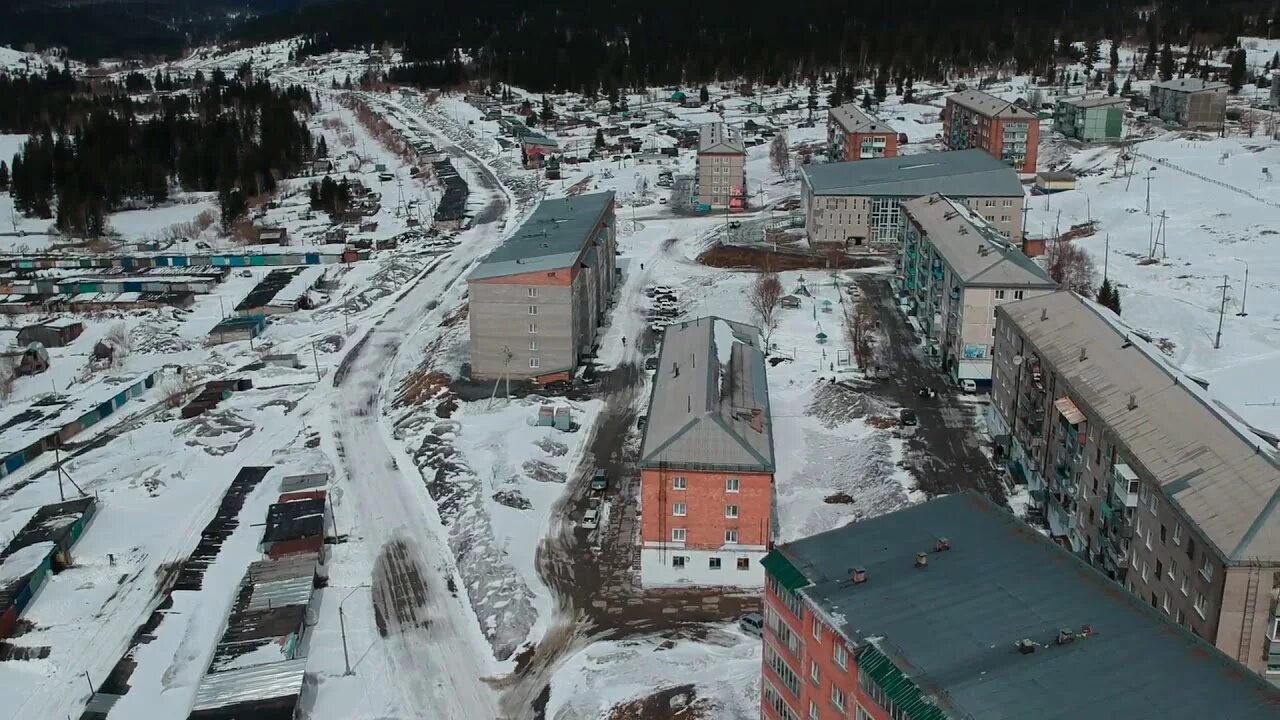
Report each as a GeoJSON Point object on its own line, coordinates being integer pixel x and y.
{"type": "Point", "coordinates": [1094, 101]}
{"type": "Point", "coordinates": [978, 254]}
{"type": "Point", "coordinates": [259, 682]}
{"type": "Point", "coordinates": [989, 105]}
{"type": "Point", "coordinates": [1221, 476]}
{"type": "Point", "coordinates": [552, 238]}
{"type": "Point", "coordinates": [717, 138]}
{"type": "Point", "coordinates": [710, 402]}
{"type": "Point", "coordinates": [959, 173]}
{"type": "Point", "coordinates": [951, 626]}
{"type": "Point", "coordinates": [1189, 85]}
{"type": "Point", "coordinates": [853, 119]}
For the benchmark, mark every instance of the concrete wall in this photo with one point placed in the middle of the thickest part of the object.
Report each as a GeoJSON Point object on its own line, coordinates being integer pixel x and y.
{"type": "Point", "coordinates": [718, 174]}
{"type": "Point", "coordinates": [657, 567]}
{"type": "Point", "coordinates": [500, 317]}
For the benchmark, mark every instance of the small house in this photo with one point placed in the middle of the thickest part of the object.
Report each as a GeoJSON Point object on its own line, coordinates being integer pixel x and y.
{"type": "Point", "coordinates": [273, 236]}
{"type": "Point", "coordinates": [1053, 181]}
{"type": "Point", "coordinates": [789, 302]}
{"type": "Point", "coordinates": [321, 167]}
{"type": "Point", "coordinates": [30, 360]}
{"type": "Point", "coordinates": [58, 332]}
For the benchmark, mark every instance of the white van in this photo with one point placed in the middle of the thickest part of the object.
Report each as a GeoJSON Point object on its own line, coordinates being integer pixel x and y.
{"type": "Point", "coordinates": [590, 519]}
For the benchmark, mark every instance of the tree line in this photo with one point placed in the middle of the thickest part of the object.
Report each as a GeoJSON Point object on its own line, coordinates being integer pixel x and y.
{"type": "Point", "coordinates": [87, 158]}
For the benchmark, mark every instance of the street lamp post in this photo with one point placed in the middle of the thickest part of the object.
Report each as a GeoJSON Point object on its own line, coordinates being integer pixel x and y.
{"type": "Point", "coordinates": [1244, 299]}
{"type": "Point", "coordinates": [1088, 206]}
{"type": "Point", "coordinates": [1149, 171]}
{"type": "Point", "coordinates": [342, 626]}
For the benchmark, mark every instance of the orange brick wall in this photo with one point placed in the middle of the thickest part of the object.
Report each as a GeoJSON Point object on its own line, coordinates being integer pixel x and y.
{"type": "Point", "coordinates": [705, 498]}
{"type": "Point", "coordinates": [853, 144]}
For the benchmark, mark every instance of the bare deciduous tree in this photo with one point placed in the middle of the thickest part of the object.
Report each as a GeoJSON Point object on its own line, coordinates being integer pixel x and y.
{"type": "Point", "coordinates": [1070, 266]}
{"type": "Point", "coordinates": [780, 155]}
{"type": "Point", "coordinates": [862, 334]}
{"type": "Point", "coordinates": [120, 342]}
{"type": "Point", "coordinates": [765, 298]}
{"type": "Point", "coordinates": [7, 375]}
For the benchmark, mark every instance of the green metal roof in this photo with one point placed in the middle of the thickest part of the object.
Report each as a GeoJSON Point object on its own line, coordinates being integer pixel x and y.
{"type": "Point", "coordinates": [783, 571]}
{"type": "Point", "coordinates": [904, 693]}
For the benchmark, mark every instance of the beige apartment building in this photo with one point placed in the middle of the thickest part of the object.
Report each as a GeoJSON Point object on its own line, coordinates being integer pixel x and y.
{"type": "Point", "coordinates": [855, 206]}
{"type": "Point", "coordinates": [537, 301]}
{"type": "Point", "coordinates": [954, 269]}
{"type": "Point", "coordinates": [1132, 465]}
{"type": "Point", "coordinates": [1190, 102]}
{"type": "Point", "coordinates": [722, 160]}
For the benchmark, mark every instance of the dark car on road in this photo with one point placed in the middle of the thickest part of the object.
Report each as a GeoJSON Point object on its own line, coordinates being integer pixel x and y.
{"type": "Point", "coordinates": [907, 417]}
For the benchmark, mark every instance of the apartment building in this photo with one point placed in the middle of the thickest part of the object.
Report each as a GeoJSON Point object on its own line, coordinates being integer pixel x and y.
{"type": "Point", "coordinates": [1191, 102]}
{"type": "Point", "coordinates": [974, 119]}
{"type": "Point", "coordinates": [706, 462]}
{"type": "Point", "coordinates": [1090, 118]}
{"type": "Point", "coordinates": [852, 134]}
{"type": "Point", "coordinates": [953, 609]}
{"type": "Point", "coordinates": [1136, 468]}
{"type": "Point", "coordinates": [722, 161]}
{"type": "Point", "coordinates": [955, 268]}
{"type": "Point", "coordinates": [537, 301]}
{"type": "Point", "coordinates": [855, 206]}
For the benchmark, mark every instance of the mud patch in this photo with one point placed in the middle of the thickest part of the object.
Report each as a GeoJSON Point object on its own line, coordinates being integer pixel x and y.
{"type": "Point", "coordinates": [399, 592]}
{"type": "Point", "coordinates": [674, 703]}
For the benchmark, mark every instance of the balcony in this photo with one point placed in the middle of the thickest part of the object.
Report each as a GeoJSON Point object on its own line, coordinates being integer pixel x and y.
{"type": "Point", "coordinates": [955, 293]}
{"type": "Point", "coordinates": [1124, 485]}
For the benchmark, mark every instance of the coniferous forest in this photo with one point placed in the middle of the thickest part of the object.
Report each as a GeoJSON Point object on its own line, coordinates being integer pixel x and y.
{"type": "Point", "coordinates": [95, 149]}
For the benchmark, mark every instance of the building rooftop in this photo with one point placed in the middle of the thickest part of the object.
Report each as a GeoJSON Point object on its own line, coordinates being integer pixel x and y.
{"type": "Point", "coordinates": [960, 173]}
{"type": "Point", "coordinates": [978, 254]}
{"type": "Point", "coordinates": [853, 119]}
{"type": "Point", "coordinates": [1056, 175]}
{"type": "Point", "coordinates": [952, 627]}
{"type": "Point", "coordinates": [1213, 469]}
{"type": "Point", "coordinates": [989, 105]}
{"type": "Point", "coordinates": [710, 403]}
{"type": "Point", "coordinates": [552, 238]}
{"type": "Point", "coordinates": [1094, 101]}
{"type": "Point", "coordinates": [717, 138]}
{"type": "Point", "coordinates": [1189, 85]}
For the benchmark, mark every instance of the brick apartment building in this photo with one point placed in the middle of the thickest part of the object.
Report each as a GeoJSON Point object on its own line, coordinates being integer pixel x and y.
{"type": "Point", "coordinates": [706, 463]}
{"type": "Point", "coordinates": [1132, 465]}
{"type": "Point", "coordinates": [722, 162]}
{"type": "Point", "coordinates": [852, 134]}
{"type": "Point", "coordinates": [955, 267]}
{"type": "Point", "coordinates": [954, 609]}
{"type": "Point", "coordinates": [974, 119]}
{"type": "Point", "coordinates": [856, 206]}
{"type": "Point", "coordinates": [537, 301]}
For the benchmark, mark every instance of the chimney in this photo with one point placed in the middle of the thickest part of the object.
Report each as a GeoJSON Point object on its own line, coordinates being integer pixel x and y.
{"type": "Point", "coordinates": [922, 559]}
{"type": "Point", "coordinates": [1026, 646]}
{"type": "Point", "coordinates": [1086, 631]}
{"type": "Point", "coordinates": [1066, 637]}
{"type": "Point", "coordinates": [942, 545]}
{"type": "Point", "coordinates": [1044, 314]}
{"type": "Point", "coordinates": [859, 576]}
{"type": "Point", "coordinates": [1133, 401]}
{"type": "Point", "coordinates": [1083, 355]}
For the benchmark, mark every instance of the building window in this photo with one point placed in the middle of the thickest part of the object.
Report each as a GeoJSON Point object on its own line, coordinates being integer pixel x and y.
{"type": "Point", "coordinates": [999, 294]}
{"type": "Point", "coordinates": [533, 328]}
{"type": "Point", "coordinates": [731, 536]}
{"type": "Point", "coordinates": [678, 561]}
{"type": "Point", "coordinates": [1008, 203]}
{"type": "Point", "coordinates": [813, 710]}
{"type": "Point", "coordinates": [1202, 605]}
{"type": "Point", "coordinates": [1186, 585]}
{"type": "Point", "coordinates": [1164, 604]}
{"type": "Point", "coordinates": [679, 483]}
{"type": "Point", "coordinates": [840, 656]}
{"type": "Point", "coordinates": [813, 673]}
{"type": "Point", "coordinates": [1173, 570]}
{"type": "Point", "coordinates": [1206, 568]}
{"type": "Point", "coordinates": [731, 511]}
{"type": "Point", "coordinates": [533, 309]}
{"type": "Point", "coordinates": [679, 509]}
{"type": "Point", "coordinates": [731, 485]}
{"type": "Point", "coordinates": [677, 534]}
{"type": "Point", "coordinates": [1146, 571]}
{"type": "Point", "coordinates": [789, 599]}
{"type": "Point", "coordinates": [837, 698]}
{"type": "Point", "coordinates": [533, 292]}
{"type": "Point", "coordinates": [776, 702]}
{"type": "Point", "coordinates": [533, 346]}
{"type": "Point", "coordinates": [862, 713]}
{"type": "Point", "coordinates": [744, 563]}
{"type": "Point", "coordinates": [1017, 294]}
{"type": "Point", "coordinates": [1159, 569]}
{"type": "Point", "coordinates": [1147, 542]}
{"type": "Point", "coordinates": [1164, 535]}
{"type": "Point", "coordinates": [534, 362]}
{"type": "Point", "coordinates": [1177, 534]}
{"type": "Point", "coordinates": [817, 629]}
{"type": "Point", "coordinates": [713, 563]}
{"type": "Point", "coordinates": [780, 668]}
{"type": "Point", "coordinates": [1153, 502]}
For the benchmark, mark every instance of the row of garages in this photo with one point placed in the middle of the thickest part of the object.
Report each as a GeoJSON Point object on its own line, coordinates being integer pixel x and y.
{"type": "Point", "coordinates": [137, 262]}
{"type": "Point", "coordinates": [40, 549]}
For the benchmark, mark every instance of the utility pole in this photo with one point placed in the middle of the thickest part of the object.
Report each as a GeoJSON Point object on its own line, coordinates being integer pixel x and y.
{"type": "Point", "coordinates": [1217, 340]}
{"type": "Point", "coordinates": [1148, 210]}
{"type": "Point", "coordinates": [1245, 298]}
{"type": "Point", "coordinates": [1106, 257]}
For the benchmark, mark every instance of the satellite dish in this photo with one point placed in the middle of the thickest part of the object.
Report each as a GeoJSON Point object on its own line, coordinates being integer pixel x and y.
{"type": "Point", "coordinates": [1017, 359]}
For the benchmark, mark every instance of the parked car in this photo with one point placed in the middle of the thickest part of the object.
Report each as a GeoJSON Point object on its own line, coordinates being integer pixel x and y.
{"type": "Point", "coordinates": [641, 422]}
{"type": "Point", "coordinates": [599, 480]}
{"type": "Point", "coordinates": [591, 518]}
{"type": "Point", "coordinates": [969, 386]}
{"type": "Point", "coordinates": [907, 417]}
{"type": "Point", "coordinates": [651, 363]}
{"type": "Point", "coordinates": [752, 624]}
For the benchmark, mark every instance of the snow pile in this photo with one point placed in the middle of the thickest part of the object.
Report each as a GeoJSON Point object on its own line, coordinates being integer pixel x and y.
{"type": "Point", "coordinates": [23, 562]}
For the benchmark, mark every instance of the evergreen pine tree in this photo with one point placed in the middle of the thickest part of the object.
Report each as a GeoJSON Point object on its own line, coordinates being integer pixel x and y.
{"type": "Point", "coordinates": [322, 148]}
{"type": "Point", "coordinates": [599, 138]}
{"type": "Point", "coordinates": [1115, 56]}
{"type": "Point", "coordinates": [1111, 87]}
{"type": "Point", "coordinates": [4, 176]}
{"type": "Point", "coordinates": [882, 87]}
{"type": "Point", "coordinates": [867, 102]}
{"type": "Point", "coordinates": [1275, 60]}
{"type": "Point", "coordinates": [1127, 88]}
{"type": "Point", "coordinates": [897, 90]}
{"type": "Point", "coordinates": [908, 92]}
{"type": "Point", "coordinates": [1166, 63]}
{"type": "Point", "coordinates": [1235, 77]}
{"type": "Point", "coordinates": [703, 95]}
